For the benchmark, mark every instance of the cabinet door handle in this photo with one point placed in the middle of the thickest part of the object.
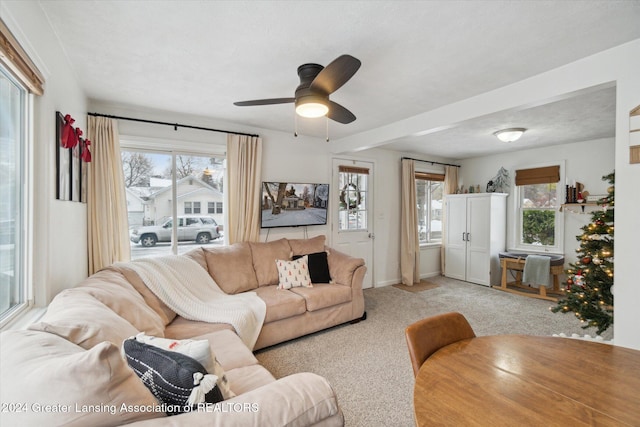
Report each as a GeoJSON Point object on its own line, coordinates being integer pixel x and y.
{"type": "Point", "coordinates": [463, 234]}
{"type": "Point", "coordinates": [468, 237]}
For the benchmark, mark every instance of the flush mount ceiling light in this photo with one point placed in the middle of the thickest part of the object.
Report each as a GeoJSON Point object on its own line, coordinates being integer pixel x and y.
{"type": "Point", "coordinates": [312, 106]}
{"type": "Point", "coordinates": [509, 135]}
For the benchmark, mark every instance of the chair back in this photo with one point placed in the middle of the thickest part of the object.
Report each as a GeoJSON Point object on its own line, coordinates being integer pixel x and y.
{"type": "Point", "coordinates": [427, 336]}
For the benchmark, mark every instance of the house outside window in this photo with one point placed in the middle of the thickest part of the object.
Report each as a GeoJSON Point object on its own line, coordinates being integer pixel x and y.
{"type": "Point", "coordinates": [538, 198]}
{"type": "Point", "coordinates": [150, 176]}
{"type": "Point", "coordinates": [429, 188]}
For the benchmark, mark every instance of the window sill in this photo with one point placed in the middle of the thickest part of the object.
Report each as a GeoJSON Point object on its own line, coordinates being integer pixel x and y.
{"type": "Point", "coordinates": [22, 318]}
{"type": "Point", "coordinates": [430, 245]}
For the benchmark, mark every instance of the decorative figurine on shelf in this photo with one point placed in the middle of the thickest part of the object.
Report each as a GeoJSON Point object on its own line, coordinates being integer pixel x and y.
{"type": "Point", "coordinates": [491, 188]}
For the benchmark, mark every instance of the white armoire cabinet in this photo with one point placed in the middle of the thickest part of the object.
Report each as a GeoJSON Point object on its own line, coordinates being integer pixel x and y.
{"type": "Point", "coordinates": [475, 234]}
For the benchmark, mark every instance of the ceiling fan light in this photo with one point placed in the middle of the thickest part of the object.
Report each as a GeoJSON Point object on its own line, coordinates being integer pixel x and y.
{"type": "Point", "coordinates": [311, 108]}
{"type": "Point", "coordinates": [509, 135]}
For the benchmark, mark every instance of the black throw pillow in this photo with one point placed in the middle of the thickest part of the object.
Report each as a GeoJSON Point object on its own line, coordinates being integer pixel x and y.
{"type": "Point", "coordinates": [318, 267]}
{"type": "Point", "coordinates": [172, 377]}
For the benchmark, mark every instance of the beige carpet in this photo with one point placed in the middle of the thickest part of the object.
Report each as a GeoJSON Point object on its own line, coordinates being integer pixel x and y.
{"type": "Point", "coordinates": [423, 285]}
{"type": "Point", "coordinates": [367, 363]}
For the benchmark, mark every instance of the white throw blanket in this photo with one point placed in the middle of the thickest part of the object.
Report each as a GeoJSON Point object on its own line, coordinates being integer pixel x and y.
{"type": "Point", "coordinates": [188, 289]}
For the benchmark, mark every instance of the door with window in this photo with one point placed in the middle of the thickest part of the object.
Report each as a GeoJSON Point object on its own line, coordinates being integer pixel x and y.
{"type": "Point", "coordinates": [352, 225]}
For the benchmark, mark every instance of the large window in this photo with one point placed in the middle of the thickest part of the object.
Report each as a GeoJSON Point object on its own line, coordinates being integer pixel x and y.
{"type": "Point", "coordinates": [13, 142]}
{"type": "Point", "coordinates": [161, 185]}
{"type": "Point", "coordinates": [539, 228]}
{"type": "Point", "coordinates": [429, 187]}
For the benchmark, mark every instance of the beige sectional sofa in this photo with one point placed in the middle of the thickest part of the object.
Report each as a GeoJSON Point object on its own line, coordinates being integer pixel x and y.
{"type": "Point", "coordinates": [68, 368]}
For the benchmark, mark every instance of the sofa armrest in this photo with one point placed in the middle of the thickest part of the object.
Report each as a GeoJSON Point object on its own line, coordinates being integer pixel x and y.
{"type": "Point", "coordinates": [342, 267]}
{"type": "Point", "coordinates": [302, 399]}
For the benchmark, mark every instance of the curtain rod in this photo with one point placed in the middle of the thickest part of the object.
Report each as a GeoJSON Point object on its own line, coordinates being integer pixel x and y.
{"type": "Point", "coordinates": [429, 161]}
{"type": "Point", "coordinates": [175, 125]}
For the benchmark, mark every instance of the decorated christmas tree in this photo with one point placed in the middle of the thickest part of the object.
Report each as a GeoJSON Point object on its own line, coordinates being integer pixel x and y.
{"type": "Point", "coordinates": [589, 283]}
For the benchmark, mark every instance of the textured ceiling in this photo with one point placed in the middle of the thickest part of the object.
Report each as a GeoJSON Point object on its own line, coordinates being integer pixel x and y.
{"type": "Point", "coordinates": [198, 57]}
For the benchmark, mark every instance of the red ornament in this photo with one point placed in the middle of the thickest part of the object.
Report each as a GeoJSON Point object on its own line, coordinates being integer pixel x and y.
{"type": "Point", "coordinates": [586, 260]}
{"type": "Point", "coordinates": [599, 222]}
{"type": "Point", "coordinates": [569, 281]}
{"type": "Point", "coordinates": [86, 154]}
{"type": "Point", "coordinates": [68, 138]}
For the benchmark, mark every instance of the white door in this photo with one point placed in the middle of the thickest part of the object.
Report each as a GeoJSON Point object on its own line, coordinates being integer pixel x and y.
{"type": "Point", "coordinates": [478, 239]}
{"type": "Point", "coordinates": [352, 211]}
{"type": "Point", "coordinates": [455, 237]}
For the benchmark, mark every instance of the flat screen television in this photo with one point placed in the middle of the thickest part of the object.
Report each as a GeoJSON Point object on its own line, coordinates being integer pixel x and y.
{"type": "Point", "coordinates": [293, 204]}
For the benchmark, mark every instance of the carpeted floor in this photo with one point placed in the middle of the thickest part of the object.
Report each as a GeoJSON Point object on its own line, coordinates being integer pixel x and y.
{"type": "Point", "coordinates": [367, 363]}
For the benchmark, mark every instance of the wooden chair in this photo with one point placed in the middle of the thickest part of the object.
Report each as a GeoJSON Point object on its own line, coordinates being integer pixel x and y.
{"type": "Point", "coordinates": [426, 336]}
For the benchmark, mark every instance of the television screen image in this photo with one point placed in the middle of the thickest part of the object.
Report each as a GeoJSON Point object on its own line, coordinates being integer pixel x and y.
{"type": "Point", "coordinates": [287, 204]}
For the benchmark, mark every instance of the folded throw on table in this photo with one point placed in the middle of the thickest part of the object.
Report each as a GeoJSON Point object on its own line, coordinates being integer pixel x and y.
{"type": "Point", "coordinates": [188, 289]}
{"type": "Point", "coordinates": [536, 270]}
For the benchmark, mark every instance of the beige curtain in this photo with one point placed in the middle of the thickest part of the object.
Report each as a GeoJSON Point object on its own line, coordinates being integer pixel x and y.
{"type": "Point", "coordinates": [106, 199]}
{"type": "Point", "coordinates": [450, 187]}
{"type": "Point", "coordinates": [244, 160]}
{"type": "Point", "coordinates": [409, 245]}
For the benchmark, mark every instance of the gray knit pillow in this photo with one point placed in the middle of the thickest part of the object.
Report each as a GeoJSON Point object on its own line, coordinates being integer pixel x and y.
{"type": "Point", "coordinates": [178, 381]}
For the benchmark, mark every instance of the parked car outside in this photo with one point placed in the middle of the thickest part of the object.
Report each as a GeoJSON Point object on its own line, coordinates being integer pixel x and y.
{"type": "Point", "coordinates": [201, 229]}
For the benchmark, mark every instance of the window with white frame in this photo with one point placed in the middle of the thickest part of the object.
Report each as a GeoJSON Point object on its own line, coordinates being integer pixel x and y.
{"type": "Point", "coordinates": [538, 198]}
{"type": "Point", "coordinates": [150, 177]}
{"type": "Point", "coordinates": [13, 142]}
{"type": "Point", "coordinates": [429, 188]}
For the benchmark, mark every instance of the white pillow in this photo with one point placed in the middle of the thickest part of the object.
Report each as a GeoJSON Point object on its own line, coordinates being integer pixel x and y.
{"type": "Point", "coordinates": [196, 349]}
{"type": "Point", "coordinates": [294, 273]}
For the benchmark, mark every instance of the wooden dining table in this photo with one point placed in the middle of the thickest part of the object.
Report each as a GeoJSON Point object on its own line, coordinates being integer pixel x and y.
{"type": "Point", "coordinates": [509, 380]}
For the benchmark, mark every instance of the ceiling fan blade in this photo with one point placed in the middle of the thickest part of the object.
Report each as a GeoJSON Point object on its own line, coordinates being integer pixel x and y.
{"type": "Point", "coordinates": [340, 114]}
{"type": "Point", "coordinates": [264, 102]}
{"type": "Point", "coordinates": [334, 75]}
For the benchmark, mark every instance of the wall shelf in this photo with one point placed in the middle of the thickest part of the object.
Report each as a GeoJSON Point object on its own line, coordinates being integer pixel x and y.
{"type": "Point", "coordinates": [581, 205]}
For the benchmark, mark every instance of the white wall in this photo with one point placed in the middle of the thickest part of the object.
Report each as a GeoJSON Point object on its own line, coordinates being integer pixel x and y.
{"type": "Point", "coordinates": [586, 162]}
{"type": "Point", "coordinates": [60, 227]}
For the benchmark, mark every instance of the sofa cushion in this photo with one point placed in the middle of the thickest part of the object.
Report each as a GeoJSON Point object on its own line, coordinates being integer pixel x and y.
{"type": "Point", "coordinates": [80, 318]}
{"type": "Point", "coordinates": [40, 369]}
{"type": "Point", "coordinates": [198, 256]}
{"type": "Point", "coordinates": [229, 349]}
{"type": "Point", "coordinates": [264, 255]}
{"type": "Point", "coordinates": [280, 303]}
{"type": "Point", "coordinates": [249, 378]}
{"type": "Point", "coordinates": [176, 380]}
{"type": "Point", "coordinates": [231, 267]}
{"type": "Point", "coordinates": [342, 266]}
{"type": "Point", "coordinates": [200, 350]}
{"type": "Point", "coordinates": [293, 273]}
{"type": "Point", "coordinates": [323, 295]}
{"type": "Point", "coordinates": [318, 267]}
{"type": "Point", "coordinates": [307, 246]}
{"type": "Point", "coordinates": [166, 314]}
{"type": "Point", "coordinates": [113, 290]}
{"type": "Point", "coordinates": [182, 328]}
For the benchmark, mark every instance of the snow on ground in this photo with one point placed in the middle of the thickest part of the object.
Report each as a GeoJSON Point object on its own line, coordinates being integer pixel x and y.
{"type": "Point", "coordinates": [293, 218]}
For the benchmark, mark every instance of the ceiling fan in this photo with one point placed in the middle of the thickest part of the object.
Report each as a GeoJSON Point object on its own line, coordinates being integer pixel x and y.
{"type": "Point", "coordinates": [316, 84]}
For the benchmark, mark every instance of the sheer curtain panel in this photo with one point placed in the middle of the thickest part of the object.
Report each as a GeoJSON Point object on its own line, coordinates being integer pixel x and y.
{"type": "Point", "coordinates": [450, 187]}
{"type": "Point", "coordinates": [108, 225]}
{"type": "Point", "coordinates": [409, 244]}
{"type": "Point", "coordinates": [244, 163]}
